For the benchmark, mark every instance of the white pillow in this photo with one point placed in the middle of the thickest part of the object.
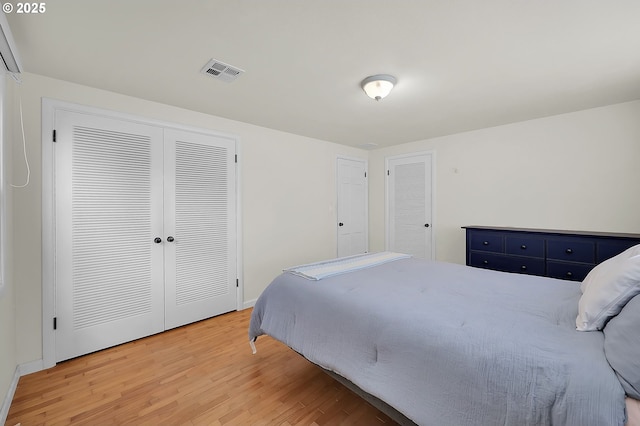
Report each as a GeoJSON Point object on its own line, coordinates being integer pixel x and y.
{"type": "Point", "coordinates": [607, 288]}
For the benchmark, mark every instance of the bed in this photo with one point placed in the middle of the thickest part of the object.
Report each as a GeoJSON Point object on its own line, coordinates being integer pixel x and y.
{"type": "Point", "coordinates": [447, 344]}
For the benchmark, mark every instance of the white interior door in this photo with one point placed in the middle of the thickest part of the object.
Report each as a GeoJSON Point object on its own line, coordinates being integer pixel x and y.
{"type": "Point", "coordinates": [108, 210]}
{"type": "Point", "coordinates": [352, 207]}
{"type": "Point", "coordinates": [145, 230]}
{"type": "Point", "coordinates": [409, 205]}
{"type": "Point", "coordinates": [200, 227]}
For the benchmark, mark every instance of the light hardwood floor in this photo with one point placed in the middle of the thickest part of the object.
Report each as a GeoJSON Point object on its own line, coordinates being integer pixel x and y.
{"type": "Point", "coordinates": [200, 374]}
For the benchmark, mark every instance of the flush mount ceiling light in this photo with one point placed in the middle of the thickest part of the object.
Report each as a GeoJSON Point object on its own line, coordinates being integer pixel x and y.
{"type": "Point", "coordinates": [378, 86]}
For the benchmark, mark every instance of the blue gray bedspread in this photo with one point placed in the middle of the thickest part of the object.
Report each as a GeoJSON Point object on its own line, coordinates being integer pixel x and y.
{"type": "Point", "coordinates": [447, 344]}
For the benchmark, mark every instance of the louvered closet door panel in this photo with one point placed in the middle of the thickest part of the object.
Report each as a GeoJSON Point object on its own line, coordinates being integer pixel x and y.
{"type": "Point", "coordinates": [109, 271]}
{"type": "Point", "coordinates": [410, 206]}
{"type": "Point", "coordinates": [200, 215]}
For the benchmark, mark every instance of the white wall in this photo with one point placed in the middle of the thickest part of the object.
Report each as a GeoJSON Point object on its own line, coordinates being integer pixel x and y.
{"type": "Point", "coordinates": [576, 171]}
{"type": "Point", "coordinates": [7, 301]}
{"type": "Point", "coordinates": [288, 196]}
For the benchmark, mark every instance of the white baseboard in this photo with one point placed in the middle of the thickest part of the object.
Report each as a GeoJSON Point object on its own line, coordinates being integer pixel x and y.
{"type": "Point", "coordinates": [249, 304]}
{"type": "Point", "coordinates": [31, 367]}
{"type": "Point", "coordinates": [6, 404]}
{"type": "Point", "coordinates": [21, 370]}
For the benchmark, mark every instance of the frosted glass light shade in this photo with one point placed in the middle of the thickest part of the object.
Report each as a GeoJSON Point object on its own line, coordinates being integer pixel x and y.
{"type": "Point", "coordinates": [378, 86]}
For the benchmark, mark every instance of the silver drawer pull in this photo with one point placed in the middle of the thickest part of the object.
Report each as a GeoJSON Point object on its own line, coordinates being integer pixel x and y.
{"type": "Point", "coordinates": [523, 247]}
{"type": "Point", "coordinates": [568, 251]}
{"type": "Point", "coordinates": [523, 267]}
{"type": "Point", "coordinates": [486, 262]}
{"type": "Point", "coordinates": [485, 243]}
{"type": "Point", "coordinates": [569, 274]}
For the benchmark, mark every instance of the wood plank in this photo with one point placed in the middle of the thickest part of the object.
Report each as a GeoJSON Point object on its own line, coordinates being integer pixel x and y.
{"type": "Point", "coordinates": [202, 373]}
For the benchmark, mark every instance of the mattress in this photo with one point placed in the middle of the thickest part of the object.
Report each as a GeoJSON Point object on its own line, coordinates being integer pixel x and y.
{"type": "Point", "coordinates": [447, 344]}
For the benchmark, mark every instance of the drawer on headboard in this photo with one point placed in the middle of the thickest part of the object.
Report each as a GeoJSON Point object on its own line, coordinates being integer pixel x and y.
{"type": "Point", "coordinates": [571, 250]}
{"type": "Point", "coordinates": [525, 245]}
{"type": "Point", "coordinates": [493, 261]}
{"type": "Point", "coordinates": [487, 241]}
{"type": "Point", "coordinates": [505, 263]}
{"type": "Point", "coordinates": [568, 270]}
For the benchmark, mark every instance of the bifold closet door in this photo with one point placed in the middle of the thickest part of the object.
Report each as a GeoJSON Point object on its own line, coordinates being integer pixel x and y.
{"type": "Point", "coordinates": [109, 210]}
{"type": "Point", "coordinates": [200, 227]}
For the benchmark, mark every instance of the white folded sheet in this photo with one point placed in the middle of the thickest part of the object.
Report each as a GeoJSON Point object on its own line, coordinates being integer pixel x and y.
{"type": "Point", "coordinates": [328, 268]}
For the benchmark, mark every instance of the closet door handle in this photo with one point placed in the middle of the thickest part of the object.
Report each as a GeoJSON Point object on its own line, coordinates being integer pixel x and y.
{"type": "Point", "coordinates": [170, 239]}
{"type": "Point", "coordinates": [157, 240]}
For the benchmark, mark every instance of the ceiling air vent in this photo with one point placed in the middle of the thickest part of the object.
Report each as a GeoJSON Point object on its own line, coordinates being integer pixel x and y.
{"type": "Point", "coordinates": [221, 71]}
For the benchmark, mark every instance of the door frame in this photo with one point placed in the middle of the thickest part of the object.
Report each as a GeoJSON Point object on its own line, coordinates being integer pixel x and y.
{"type": "Point", "coordinates": [387, 216]}
{"type": "Point", "coordinates": [366, 195]}
{"type": "Point", "coordinates": [49, 108]}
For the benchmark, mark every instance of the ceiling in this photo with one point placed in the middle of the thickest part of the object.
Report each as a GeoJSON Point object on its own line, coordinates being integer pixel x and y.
{"type": "Point", "coordinates": [460, 64]}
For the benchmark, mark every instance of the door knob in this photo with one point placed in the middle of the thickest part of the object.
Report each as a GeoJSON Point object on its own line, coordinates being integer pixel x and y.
{"type": "Point", "coordinates": [426, 225]}
{"type": "Point", "coordinates": [341, 224]}
{"type": "Point", "coordinates": [157, 240]}
{"type": "Point", "coordinates": [170, 239]}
